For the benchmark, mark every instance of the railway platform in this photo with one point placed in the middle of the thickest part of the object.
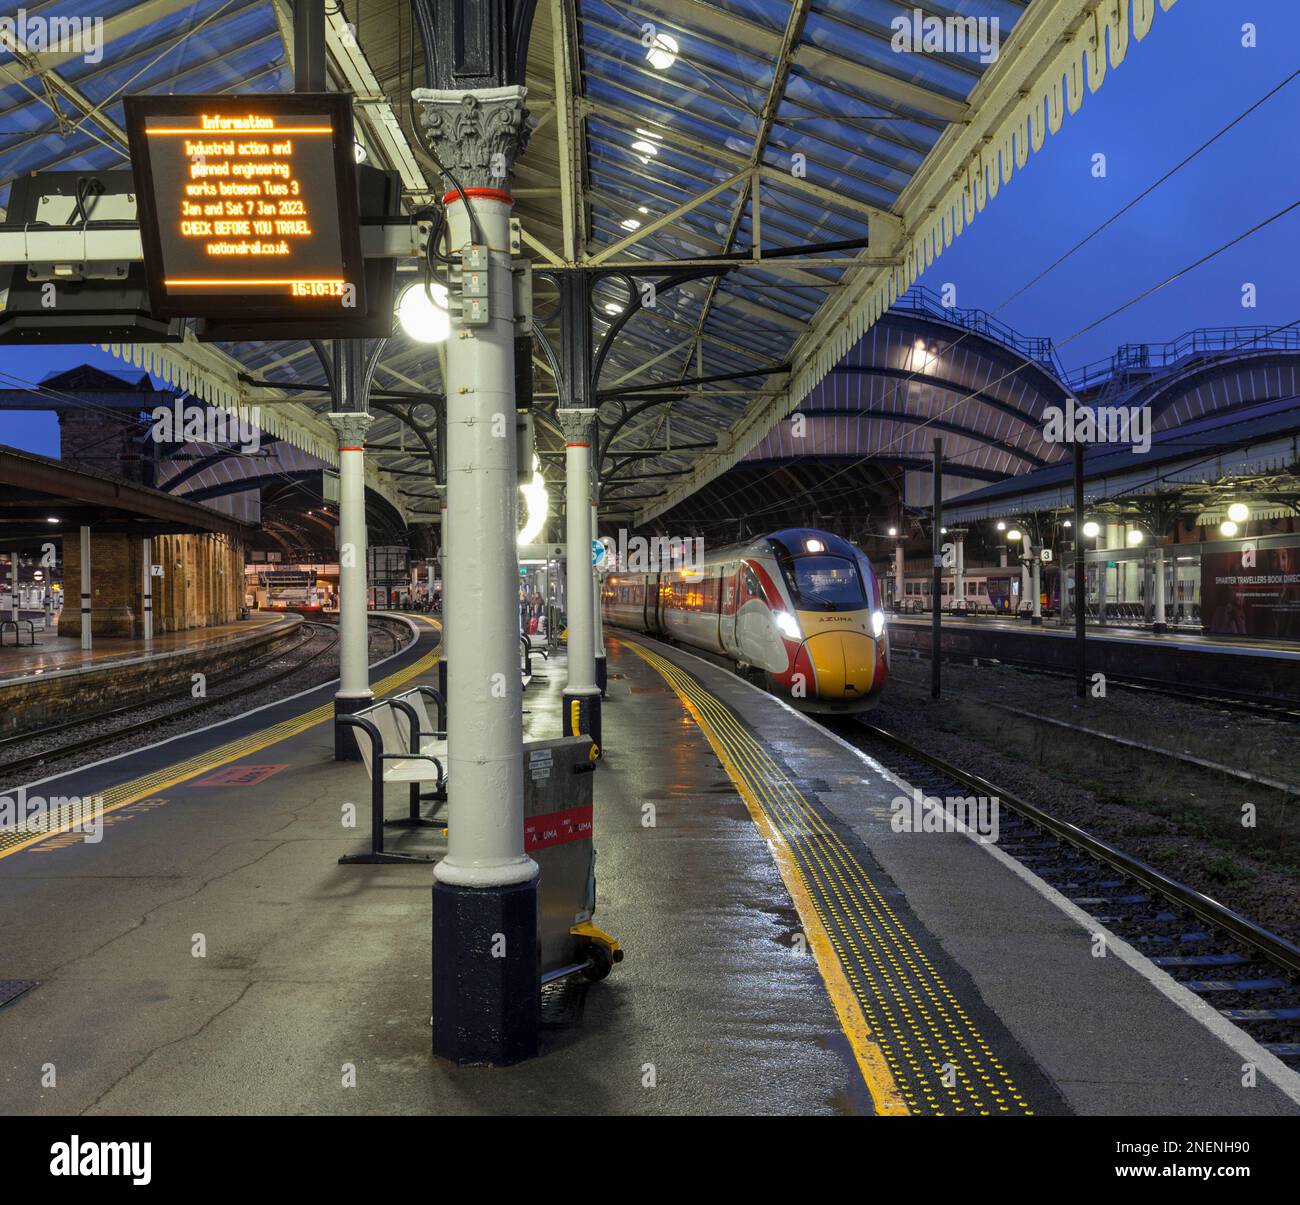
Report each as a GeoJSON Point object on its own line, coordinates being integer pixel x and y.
{"type": "Point", "coordinates": [788, 951]}
{"type": "Point", "coordinates": [56, 678]}
{"type": "Point", "coordinates": [56, 654]}
{"type": "Point", "coordinates": [1242, 665]}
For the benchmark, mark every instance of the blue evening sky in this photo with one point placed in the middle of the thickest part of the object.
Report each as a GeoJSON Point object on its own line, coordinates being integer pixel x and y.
{"type": "Point", "coordinates": [1187, 80]}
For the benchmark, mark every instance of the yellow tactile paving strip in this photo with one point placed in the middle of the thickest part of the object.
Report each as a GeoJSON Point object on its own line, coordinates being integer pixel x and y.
{"type": "Point", "coordinates": [64, 815]}
{"type": "Point", "coordinates": [918, 1051]}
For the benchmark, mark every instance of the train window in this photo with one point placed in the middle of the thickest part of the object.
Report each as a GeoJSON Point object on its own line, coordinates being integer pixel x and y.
{"type": "Point", "coordinates": [823, 583]}
{"type": "Point", "coordinates": [753, 589]}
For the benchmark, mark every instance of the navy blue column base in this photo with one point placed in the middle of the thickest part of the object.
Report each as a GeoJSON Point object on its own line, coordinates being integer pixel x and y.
{"type": "Point", "coordinates": [345, 741]}
{"type": "Point", "coordinates": [442, 676]}
{"type": "Point", "coordinates": [582, 716]}
{"type": "Point", "coordinates": [1159, 627]}
{"type": "Point", "coordinates": [486, 974]}
{"type": "Point", "coordinates": [602, 673]}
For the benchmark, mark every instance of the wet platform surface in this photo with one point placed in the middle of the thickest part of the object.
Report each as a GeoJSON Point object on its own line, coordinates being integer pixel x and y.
{"type": "Point", "coordinates": [53, 653]}
{"type": "Point", "coordinates": [314, 977]}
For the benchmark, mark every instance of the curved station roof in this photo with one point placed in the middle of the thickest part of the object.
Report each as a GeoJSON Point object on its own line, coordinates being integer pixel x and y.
{"type": "Point", "coordinates": [751, 184]}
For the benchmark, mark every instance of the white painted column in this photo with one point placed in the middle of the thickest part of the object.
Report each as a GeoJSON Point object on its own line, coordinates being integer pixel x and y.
{"type": "Point", "coordinates": [959, 567]}
{"type": "Point", "coordinates": [14, 604]}
{"type": "Point", "coordinates": [1036, 584]}
{"type": "Point", "coordinates": [85, 589]}
{"type": "Point", "coordinates": [146, 588]}
{"type": "Point", "coordinates": [1026, 577]}
{"type": "Point", "coordinates": [354, 642]}
{"type": "Point", "coordinates": [900, 572]}
{"type": "Point", "coordinates": [597, 618]}
{"type": "Point", "coordinates": [1160, 625]}
{"type": "Point", "coordinates": [485, 708]}
{"type": "Point", "coordinates": [581, 692]}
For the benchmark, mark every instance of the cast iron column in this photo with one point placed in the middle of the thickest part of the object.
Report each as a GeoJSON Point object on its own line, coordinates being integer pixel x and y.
{"type": "Point", "coordinates": [486, 993]}
{"type": "Point", "coordinates": [936, 548]}
{"type": "Point", "coordinates": [354, 692]}
{"type": "Point", "coordinates": [581, 693]}
{"type": "Point", "coordinates": [597, 623]}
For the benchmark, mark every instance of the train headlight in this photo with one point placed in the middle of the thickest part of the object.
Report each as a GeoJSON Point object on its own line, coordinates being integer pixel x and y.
{"type": "Point", "coordinates": [788, 625]}
{"type": "Point", "coordinates": [877, 623]}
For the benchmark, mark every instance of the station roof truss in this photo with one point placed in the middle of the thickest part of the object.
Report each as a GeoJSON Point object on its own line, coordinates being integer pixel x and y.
{"type": "Point", "coordinates": [41, 498]}
{"type": "Point", "coordinates": [1242, 453]}
{"type": "Point", "coordinates": [806, 169]}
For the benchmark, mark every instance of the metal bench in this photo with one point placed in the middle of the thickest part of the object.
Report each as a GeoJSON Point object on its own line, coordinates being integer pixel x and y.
{"type": "Point", "coordinates": [404, 762]}
{"type": "Point", "coordinates": [14, 623]}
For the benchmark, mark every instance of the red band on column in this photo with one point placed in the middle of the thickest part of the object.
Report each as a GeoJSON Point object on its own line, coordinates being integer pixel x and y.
{"type": "Point", "coordinates": [350, 449]}
{"type": "Point", "coordinates": [488, 194]}
{"type": "Point", "coordinates": [577, 445]}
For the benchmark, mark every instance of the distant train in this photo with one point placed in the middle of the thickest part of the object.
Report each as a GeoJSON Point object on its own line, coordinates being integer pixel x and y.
{"type": "Point", "coordinates": [801, 606]}
{"type": "Point", "coordinates": [984, 591]}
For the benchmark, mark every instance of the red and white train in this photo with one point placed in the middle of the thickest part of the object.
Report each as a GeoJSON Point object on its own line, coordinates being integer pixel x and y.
{"type": "Point", "coordinates": [802, 606]}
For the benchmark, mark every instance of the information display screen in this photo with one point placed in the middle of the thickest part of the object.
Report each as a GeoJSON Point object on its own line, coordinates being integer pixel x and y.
{"type": "Point", "coordinates": [248, 205]}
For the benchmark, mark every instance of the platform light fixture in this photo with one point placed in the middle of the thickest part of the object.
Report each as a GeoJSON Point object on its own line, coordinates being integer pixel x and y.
{"type": "Point", "coordinates": [1238, 512]}
{"type": "Point", "coordinates": [1001, 526]}
{"type": "Point", "coordinates": [630, 224]}
{"type": "Point", "coordinates": [1228, 528]}
{"type": "Point", "coordinates": [51, 519]}
{"type": "Point", "coordinates": [893, 531]}
{"type": "Point", "coordinates": [1134, 538]}
{"type": "Point", "coordinates": [1091, 529]}
{"type": "Point", "coordinates": [537, 501]}
{"type": "Point", "coordinates": [424, 318]}
{"type": "Point", "coordinates": [1015, 535]}
{"type": "Point", "coordinates": [663, 51]}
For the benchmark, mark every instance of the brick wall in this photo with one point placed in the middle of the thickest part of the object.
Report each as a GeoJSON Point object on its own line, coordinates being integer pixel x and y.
{"type": "Point", "coordinates": [202, 584]}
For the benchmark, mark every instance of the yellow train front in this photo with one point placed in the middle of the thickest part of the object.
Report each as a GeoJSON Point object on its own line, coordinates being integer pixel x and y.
{"type": "Point", "coordinates": [801, 606]}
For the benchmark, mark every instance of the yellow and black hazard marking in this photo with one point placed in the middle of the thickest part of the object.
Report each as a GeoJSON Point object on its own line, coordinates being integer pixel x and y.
{"type": "Point", "coordinates": [917, 1049]}
{"type": "Point", "coordinates": [62, 815]}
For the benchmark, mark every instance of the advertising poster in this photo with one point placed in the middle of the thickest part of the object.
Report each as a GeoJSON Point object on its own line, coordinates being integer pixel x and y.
{"type": "Point", "coordinates": [1249, 591]}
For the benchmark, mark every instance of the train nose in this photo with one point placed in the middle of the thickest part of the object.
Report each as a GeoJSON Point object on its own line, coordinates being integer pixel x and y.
{"type": "Point", "coordinates": [844, 663]}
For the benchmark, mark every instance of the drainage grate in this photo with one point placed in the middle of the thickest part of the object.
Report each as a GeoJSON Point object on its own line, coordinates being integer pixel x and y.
{"type": "Point", "coordinates": [11, 989]}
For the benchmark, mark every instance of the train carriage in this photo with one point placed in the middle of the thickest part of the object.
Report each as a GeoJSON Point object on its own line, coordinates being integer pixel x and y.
{"type": "Point", "coordinates": [800, 606]}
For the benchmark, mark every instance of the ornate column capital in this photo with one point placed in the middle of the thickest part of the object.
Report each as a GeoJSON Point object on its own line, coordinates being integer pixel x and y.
{"type": "Point", "coordinates": [350, 427]}
{"type": "Point", "coordinates": [478, 135]}
{"type": "Point", "coordinates": [578, 425]}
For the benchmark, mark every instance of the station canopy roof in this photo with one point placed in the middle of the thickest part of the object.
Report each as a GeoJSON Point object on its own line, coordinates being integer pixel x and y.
{"type": "Point", "coordinates": [749, 131]}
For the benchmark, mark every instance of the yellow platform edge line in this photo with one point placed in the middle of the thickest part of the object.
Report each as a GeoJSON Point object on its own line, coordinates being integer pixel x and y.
{"type": "Point", "coordinates": [867, 1052]}
{"type": "Point", "coordinates": [141, 788]}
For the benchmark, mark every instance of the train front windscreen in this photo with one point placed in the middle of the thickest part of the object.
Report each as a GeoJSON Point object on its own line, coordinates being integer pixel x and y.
{"type": "Point", "coordinates": [823, 582]}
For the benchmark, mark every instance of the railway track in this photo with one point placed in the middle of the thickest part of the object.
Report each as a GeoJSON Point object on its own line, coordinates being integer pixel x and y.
{"type": "Point", "coordinates": [1250, 976]}
{"type": "Point", "coordinates": [328, 633]}
{"type": "Point", "coordinates": [1260, 705]}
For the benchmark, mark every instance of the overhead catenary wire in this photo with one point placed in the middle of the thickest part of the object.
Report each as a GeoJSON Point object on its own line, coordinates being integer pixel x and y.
{"type": "Point", "coordinates": [1087, 238]}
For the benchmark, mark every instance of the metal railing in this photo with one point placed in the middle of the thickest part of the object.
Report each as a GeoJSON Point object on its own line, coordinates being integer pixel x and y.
{"type": "Point", "coordinates": [920, 300]}
{"type": "Point", "coordinates": [1145, 358]}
